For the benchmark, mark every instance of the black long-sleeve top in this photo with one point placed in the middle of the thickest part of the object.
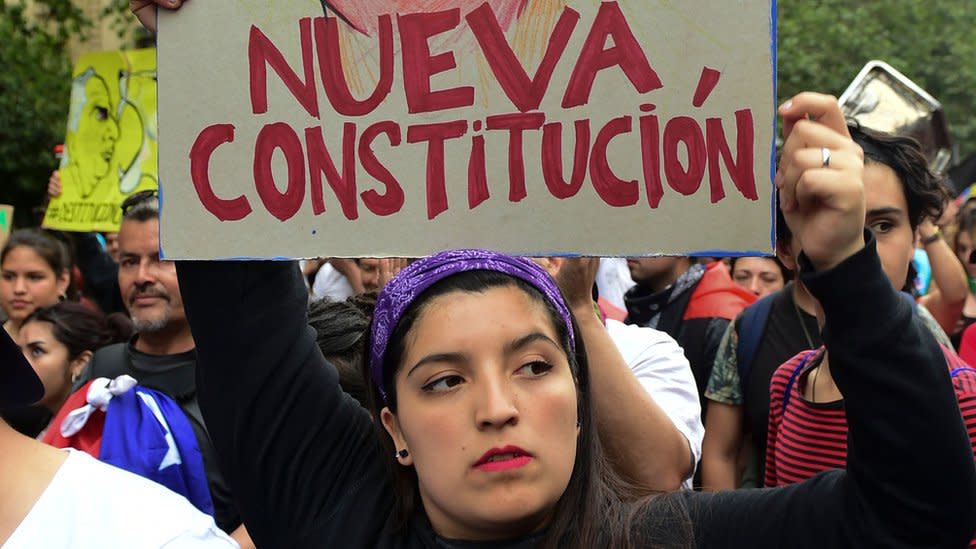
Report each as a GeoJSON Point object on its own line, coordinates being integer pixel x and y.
{"type": "Point", "coordinates": [302, 458]}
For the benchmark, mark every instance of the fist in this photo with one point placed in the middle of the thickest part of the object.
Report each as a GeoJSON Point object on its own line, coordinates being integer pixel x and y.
{"type": "Point", "coordinates": [820, 184]}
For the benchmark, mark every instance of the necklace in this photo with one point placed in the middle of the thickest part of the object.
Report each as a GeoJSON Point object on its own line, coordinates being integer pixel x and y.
{"type": "Point", "coordinates": [810, 345]}
{"type": "Point", "coordinates": [803, 326]}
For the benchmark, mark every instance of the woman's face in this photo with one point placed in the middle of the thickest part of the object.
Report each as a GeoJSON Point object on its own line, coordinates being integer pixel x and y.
{"type": "Point", "coordinates": [759, 275]}
{"type": "Point", "coordinates": [49, 358]}
{"type": "Point", "coordinates": [487, 411]}
{"type": "Point", "coordinates": [964, 248]}
{"type": "Point", "coordinates": [28, 282]}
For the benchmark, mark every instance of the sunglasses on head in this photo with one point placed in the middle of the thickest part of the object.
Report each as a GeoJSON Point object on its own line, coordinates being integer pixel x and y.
{"type": "Point", "coordinates": [138, 198]}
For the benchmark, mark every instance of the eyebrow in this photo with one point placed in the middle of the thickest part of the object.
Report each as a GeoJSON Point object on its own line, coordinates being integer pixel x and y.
{"type": "Point", "coordinates": [461, 358]}
{"type": "Point", "coordinates": [888, 210]}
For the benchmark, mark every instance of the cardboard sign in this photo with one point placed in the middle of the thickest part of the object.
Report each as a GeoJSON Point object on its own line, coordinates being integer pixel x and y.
{"type": "Point", "coordinates": [110, 145]}
{"type": "Point", "coordinates": [6, 222]}
{"type": "Point", "coordinates": [385, 128]}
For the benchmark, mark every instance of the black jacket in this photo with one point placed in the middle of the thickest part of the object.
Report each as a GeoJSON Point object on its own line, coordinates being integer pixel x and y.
{"type": "Point", "coordinates": [301, 455]}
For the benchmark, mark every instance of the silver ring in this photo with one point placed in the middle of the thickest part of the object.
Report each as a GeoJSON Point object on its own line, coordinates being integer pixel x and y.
{"type": "Point", "coordinates": [825, 154]}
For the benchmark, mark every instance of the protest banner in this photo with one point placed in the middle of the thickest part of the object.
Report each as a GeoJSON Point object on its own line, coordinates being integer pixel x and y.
{"type": "Point", "coordinates": [6, 222]}
{"type": "Point", "coordinates": [351, 128]}
{"type": "Point", "coordinates": [110, 144]}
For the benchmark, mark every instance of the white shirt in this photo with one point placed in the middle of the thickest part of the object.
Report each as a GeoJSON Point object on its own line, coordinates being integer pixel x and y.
{"type": "Point", "coordinates": [660, 365]}
{"type": "Point", "coordinates": [613, 280]}
{"type": "Point", "coordinates": [331, 283]}
{"type": "Point", "coordinates": [92, 504]}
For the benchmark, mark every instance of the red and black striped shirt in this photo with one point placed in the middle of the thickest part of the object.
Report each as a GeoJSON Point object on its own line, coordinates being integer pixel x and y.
{"type": "Point", "coordinates": [811, 437]}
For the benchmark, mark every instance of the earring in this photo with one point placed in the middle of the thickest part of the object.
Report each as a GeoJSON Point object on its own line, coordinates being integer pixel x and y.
{"type": "Point", "coordinates": [402, 454]}
{"type": "Point", "coordinates": [62, 297]}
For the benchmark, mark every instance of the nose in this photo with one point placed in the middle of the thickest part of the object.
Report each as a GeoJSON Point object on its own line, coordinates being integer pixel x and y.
{"type": "Point", "coordinates": [755, 285]}
{"type": "Point", "coordinates": [112, 131]}
{"type": "Point", "coordinates": [146, 273]}
{"type": "Point", "coordinates": [20, 285]}
{"type": "Point", "coordinates": [496, 406]}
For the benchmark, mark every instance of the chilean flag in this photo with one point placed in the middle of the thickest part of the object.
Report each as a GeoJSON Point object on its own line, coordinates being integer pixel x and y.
{"type": "Point", "coordinates": [137, 429]}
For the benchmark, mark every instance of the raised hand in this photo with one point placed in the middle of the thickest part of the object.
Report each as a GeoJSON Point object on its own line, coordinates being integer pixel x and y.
{"type": "Point", "coordinates": [54, 184]}
{"type": "Point", "coordinates": [820, 184]}
{"type": "Point", "coordinates": [575, 278]}
{"type": "Point", "coordinates": [390, 267]}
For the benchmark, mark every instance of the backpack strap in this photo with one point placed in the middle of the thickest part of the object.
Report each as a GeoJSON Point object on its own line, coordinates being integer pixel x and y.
{"type": "Point", "coordinates": [796, 373]}
{"type": "Point", "coordinates": [806, 358]}
{"type": "Point", "coordinates": [751, 327]}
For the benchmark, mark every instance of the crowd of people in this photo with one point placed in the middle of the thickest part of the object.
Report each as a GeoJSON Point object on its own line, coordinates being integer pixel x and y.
{"type": "Point", "coordinates": [472, 398]}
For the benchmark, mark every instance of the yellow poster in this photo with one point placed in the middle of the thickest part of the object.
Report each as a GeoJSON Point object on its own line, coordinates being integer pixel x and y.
{"type": "Point", "coordinates": [110, 143]}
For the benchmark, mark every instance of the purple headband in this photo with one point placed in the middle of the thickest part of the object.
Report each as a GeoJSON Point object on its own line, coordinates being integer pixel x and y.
{"type": "Point", "coordinates": [400, 292]}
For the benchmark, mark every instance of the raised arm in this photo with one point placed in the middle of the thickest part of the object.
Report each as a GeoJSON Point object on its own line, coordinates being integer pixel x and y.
{"type": "Point", "coordinates": [948, 297]}
{"type": "Point", "coordinates": [642, 440]}
{"type": "Point", "coordinates": [297, 451]}
{"type": "Point", "coordinates": [910, 479]}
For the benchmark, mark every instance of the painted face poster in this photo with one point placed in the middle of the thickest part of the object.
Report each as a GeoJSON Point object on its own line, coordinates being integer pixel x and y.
{"type": "Point", "coordinates": [403, 127]}
{"type": "Point", "coordinates": [110, 143]}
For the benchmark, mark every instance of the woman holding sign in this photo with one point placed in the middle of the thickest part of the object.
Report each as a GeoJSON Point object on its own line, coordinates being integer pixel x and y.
{"type": "Point", "coordinates": [482, 427]}
{"type": "Point", "coordinates": [481, 430]}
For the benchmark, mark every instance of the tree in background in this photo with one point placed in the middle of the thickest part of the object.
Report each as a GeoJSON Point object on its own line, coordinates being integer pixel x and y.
{"type": "Point", "coordinates": [823, 44]}
{"type": "Point", "coordinates": [35, 81]}
{"type": "Point", "coordinates": [35, 88]}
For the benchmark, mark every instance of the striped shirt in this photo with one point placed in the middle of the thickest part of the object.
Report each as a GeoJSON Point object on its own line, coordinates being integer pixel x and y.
{"type": "Point", "coordinates": [811, 437]}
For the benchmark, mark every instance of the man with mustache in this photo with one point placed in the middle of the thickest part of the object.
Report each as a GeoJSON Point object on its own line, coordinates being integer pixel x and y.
{"type": "Point", "coordinates": [161, 356]}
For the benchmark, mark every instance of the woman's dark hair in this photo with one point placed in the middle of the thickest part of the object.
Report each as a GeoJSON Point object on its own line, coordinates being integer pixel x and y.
{"type": "Point", "coordinates": [52, 250]}
{"type": "Point", "coordinates": [786, 273]}
{"type": "Point", "coordinates": [597, 508]}
{"type": "Point", "coordinates": [341, 328]}
{"type": "Point", "coordinates": [924, 191]}
{"type": "Point", "coordinates": [77, 327]}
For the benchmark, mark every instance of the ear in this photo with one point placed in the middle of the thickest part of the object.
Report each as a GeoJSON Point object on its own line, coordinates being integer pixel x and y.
{"type": "Point", "coordinates": [392, 425]}
{"type": "Point", "coordinates": [78, 364]}
{"type": "Point", "coordinates": [784, 251]}
{"type": "Point", "coordinates": [62, 282]}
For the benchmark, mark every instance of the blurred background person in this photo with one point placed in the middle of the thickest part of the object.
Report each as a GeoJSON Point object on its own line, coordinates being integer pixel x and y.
{"type": "Point", "coordinates": [760, 275]}
{"type": "Point", "coordinates": [35, 271]}
{"type": "Point", "coordinates": [59, 341]}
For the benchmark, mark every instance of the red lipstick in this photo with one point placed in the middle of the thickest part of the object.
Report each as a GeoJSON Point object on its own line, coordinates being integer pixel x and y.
{"type": "Point", "coordinates": [503, 459]}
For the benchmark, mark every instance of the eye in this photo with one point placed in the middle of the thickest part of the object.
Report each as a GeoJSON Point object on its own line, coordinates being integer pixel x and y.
{"type": "Point", "coordinates": [536, 368]}
{"type": "Point", "coordinates": [8, 276]}
{"type": "Point", "coordinates": [36, 351]}
{"type": "Point", "coordinates": [442, 384]}
{"type": "Point", "coordinates": [101, 114]}
{"type": "Point", "coordinates": [36, 277]}
{"type": "Point", "coordinates": [882, 226]}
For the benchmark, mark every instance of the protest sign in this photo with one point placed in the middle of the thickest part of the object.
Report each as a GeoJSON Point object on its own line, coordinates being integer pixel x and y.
{"type": "Point", "coordinates": [6, 222]}
{"type": "Point", "coordinates": [110, 144]}
{"type": "Point", "coordinates": [349, 128]}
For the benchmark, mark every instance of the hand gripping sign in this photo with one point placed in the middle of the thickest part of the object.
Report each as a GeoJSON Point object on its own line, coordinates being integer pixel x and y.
{"type": "Point", "coordinates": [403, 127]}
